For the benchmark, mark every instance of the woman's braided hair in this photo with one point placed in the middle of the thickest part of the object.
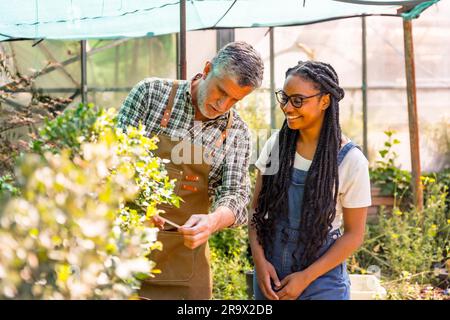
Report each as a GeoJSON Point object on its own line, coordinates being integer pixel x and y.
{"type": "Point", "coordinates": [321, 186]}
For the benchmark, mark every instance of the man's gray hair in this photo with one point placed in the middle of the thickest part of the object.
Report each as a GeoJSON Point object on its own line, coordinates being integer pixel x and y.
{"type": "Point", "coordinates": [240, 60]}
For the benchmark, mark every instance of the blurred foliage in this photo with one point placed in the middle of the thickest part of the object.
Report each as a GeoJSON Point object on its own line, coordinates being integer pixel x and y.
{"type": "Point", "coordinates": [407, 244]}
{"type": "Point", "coordinates": [69, 130]}
{"type": "Point", "coordinates": [76, 231]}
{"type": "Point", "coordinates": [230, 261]}
{"type": "Point", "coordinates": [406, 289]}
{"type": "Point", "coordinates": [7, 187]}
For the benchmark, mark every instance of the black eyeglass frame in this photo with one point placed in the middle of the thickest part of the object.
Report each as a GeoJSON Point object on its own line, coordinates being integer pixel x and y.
{"type": "Point", "coordinates": [289, 98]}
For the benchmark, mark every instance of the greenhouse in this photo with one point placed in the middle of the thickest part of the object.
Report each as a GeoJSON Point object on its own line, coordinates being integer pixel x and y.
{"type": "Point", "coordinates": [88, 193]}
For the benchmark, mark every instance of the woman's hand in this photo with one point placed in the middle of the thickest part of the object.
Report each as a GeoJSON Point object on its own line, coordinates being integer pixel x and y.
{"type": "Point", "coordinates": [293, 285]}
{"type": "Point", "coordinates": [265, 271]}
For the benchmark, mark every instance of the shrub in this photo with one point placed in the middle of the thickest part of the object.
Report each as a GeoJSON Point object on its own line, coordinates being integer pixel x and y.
{"type": "Point", "coordinates": [230, 261]}
{"type": "Point", "coordinates": [408, 242]}
{"type": "Point", "coordinates": [77, 229]}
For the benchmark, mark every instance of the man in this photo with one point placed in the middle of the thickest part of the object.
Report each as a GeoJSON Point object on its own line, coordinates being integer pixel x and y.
{"type": "Point", "coordinates": [186, 110]}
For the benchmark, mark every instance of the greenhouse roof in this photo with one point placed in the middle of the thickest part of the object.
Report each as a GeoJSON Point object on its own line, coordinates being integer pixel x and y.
{"type": "Point", "coordinates": [100, 19]}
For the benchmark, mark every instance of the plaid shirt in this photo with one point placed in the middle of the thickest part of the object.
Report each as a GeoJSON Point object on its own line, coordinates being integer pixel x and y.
{"type": "Point", "coordinates": [229, 182]}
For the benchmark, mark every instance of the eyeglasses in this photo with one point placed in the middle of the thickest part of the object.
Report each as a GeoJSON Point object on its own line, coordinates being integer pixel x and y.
{"type": "Point", "coordinates": [296, 99]}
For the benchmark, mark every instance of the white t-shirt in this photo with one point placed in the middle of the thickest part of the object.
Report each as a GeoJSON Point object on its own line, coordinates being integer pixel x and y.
{"type": "Point", "coordinates": [354, 181]}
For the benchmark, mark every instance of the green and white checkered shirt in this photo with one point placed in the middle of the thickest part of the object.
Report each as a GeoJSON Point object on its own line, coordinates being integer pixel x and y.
{"type": "Point", "coordinates": [229, 182]}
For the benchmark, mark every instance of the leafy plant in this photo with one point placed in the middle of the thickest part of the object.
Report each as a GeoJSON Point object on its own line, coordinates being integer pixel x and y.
{"type": "Point", "coordinates": [230, 261]}
{"type": "Point", "coordinates": [408, 241]}
{"type": "Point", "coordinates": [386, 175]}
{"type": "Point", "coordinates": [77, 229]}
{"type": "Point", "coordinates": [406, 244]}
{"type": "Point", "coordinates": [69, 130]}
{"type": "Point", "coordinates": [7, 187]}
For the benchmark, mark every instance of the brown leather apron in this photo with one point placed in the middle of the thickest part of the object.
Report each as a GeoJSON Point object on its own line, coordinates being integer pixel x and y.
{"type": "Point", "coordinates": [185, 273]}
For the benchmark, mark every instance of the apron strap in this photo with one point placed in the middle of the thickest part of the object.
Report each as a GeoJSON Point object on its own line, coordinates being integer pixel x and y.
{"type": "Point", "coordinates": [168, 111]}
{"type": "Point", "coordinates": [224, 133]}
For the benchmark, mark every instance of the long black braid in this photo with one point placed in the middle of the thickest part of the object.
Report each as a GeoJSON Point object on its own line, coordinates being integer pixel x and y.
{"type": "Point", "coordinates": [322, 181]}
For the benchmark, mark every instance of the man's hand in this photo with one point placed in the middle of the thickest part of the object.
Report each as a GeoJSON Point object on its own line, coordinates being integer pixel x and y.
{"type": "Point", "coordinates": [197, 229]}
{"type": "Point", "coordinates": [158, 222]}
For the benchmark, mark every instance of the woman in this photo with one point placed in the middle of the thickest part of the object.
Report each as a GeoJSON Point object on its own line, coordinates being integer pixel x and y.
{"type": "Point", "coordinates": [312, 180]}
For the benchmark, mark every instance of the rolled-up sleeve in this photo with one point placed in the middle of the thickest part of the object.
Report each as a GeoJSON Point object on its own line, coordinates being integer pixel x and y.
{"type": "Point", "coordinates": [134, 107]}
{"type": "Point", "coordinates": [234, 192]}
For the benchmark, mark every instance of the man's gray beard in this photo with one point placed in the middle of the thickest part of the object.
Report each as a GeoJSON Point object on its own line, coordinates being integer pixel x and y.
{"type": "Point", "coordinates": [201, 97]}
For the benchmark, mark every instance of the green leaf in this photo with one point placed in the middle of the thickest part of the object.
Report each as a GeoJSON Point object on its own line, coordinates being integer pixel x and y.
{"type": "Point", "coordinates": [383, 153]}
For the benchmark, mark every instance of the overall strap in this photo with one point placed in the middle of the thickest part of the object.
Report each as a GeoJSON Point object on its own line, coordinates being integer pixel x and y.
{"type": "Point", "coordinates": [343, 152]}
{"type": "Point", "coordinates": [169, 107]}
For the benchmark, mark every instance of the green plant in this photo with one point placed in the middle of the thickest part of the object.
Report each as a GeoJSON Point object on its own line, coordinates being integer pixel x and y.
{"type": "Point", "coordinates": [408, 241]}
{"type": "Point", "coordinates": [442, 177]}
{"type": "Point", "coordinates": [7, 187]}
{"type": "Point", "coordinates": [386, 175]}
{"type": "Point", "coordinates": [68, 130]}
{"type": "Point", "coordinates": [58, 241]}
{"type": "Point", "coordinates": [86, 124]}
{"type": "Point", "coordinates": [230, 261]}
{"type": "Point", "coordinates": [77, 229]}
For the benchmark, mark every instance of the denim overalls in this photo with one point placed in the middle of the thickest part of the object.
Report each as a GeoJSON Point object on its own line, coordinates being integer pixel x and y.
{"type": "Point", "coordinates": [333, 285]}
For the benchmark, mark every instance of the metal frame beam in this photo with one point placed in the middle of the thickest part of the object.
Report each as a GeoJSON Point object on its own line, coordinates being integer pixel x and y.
{"type": "Point", "coordinates": [83, 61]}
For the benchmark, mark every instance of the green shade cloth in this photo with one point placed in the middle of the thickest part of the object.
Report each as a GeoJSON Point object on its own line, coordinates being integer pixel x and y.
{"type": "Point", "coordinates": [112, 19]}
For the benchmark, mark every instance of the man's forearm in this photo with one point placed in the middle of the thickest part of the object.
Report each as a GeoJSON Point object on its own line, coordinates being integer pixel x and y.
{"type": "Point", "coordinates": [221, 218]}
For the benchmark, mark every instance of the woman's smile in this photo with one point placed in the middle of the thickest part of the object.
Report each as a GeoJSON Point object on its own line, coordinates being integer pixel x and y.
{"type": "Point", "coordinates": [291, 118]}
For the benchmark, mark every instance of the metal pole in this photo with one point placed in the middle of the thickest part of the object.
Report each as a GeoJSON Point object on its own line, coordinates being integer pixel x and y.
{"type": "Point", "coordinates": [182, 47]}
{"type": "Point", "coordinates": [412, 114]}
{"type": "Point", "coordinates": [177, 52]}
{"type": "Point", "coordinates": [272, 79]}
{"type": "Point", "coordinates": [116, 68]}
{"type": "Point", "coordinates": [83, 72]}
{"type": "Point", "coordinates": [364, 85]}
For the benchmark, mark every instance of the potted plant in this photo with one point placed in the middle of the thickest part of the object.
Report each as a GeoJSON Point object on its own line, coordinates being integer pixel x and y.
{"type": "Point", "coordinates": [390, 185]}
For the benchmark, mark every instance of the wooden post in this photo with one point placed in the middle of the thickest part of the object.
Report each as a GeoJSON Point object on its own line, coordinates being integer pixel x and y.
{"type": "Point", "coordinates": [364, 85]}
{"type": "Point", "coordinates": [412, 114]}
